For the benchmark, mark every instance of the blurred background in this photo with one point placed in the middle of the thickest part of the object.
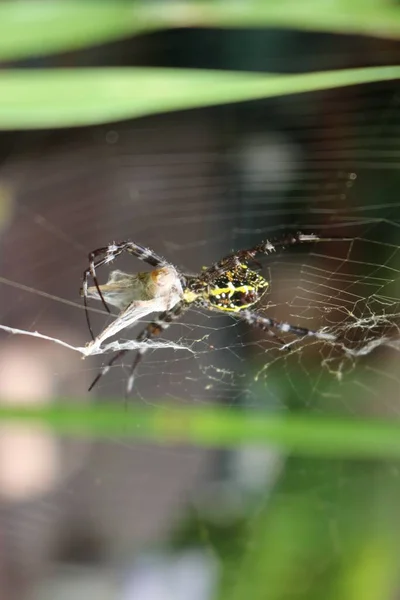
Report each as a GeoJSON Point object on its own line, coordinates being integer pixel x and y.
{"type": "Point", "coordinates": [117, 519]}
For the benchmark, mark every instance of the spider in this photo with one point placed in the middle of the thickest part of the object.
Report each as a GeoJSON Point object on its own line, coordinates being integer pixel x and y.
{"type": "Point", "coordinates": [228, 285]}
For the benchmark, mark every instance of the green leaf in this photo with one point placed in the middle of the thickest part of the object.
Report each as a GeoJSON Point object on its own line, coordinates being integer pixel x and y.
{"type": "Point", "coordinates": [38, 27]}
{"type": "Point", "coordinates": [73, 97]}
{"type": "Point", "coordinates": [205, 426]}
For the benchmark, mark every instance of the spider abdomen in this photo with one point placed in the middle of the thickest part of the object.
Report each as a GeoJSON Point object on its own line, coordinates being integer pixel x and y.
{"type": "Point", "coordinates": [236, 289]}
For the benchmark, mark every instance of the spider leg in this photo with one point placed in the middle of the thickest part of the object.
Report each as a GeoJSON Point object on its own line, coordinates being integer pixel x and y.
{"type": "Point", "coordinates": [265, 323]}
{"type": "Point", "coordinates": [155, 328]}
{"type": "Point", "coordinates": [110, 253]}
{"type": "Point", "coordinates": [91, 271]}
{"type": "Point", "coordinates": [267, 247]}
{"type": "Point", "coordinates": [107, 367]}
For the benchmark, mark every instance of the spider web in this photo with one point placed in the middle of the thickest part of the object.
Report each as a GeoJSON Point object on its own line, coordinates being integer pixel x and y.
{"type": "Point", "coordinates": [194, 187]}
{"type": "Point", "coordinates": [193, 202]}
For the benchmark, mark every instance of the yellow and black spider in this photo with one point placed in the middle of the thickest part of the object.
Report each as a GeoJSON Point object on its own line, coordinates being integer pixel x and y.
{"type": "Point", "coordinates": [229, 285]}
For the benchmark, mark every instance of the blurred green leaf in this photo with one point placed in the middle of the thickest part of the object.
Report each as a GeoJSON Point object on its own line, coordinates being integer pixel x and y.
{"type": "Point", "coordinates": [73, 97]}
{"type": "Point", "coordinates": [35, 27]}
{"type": "Point", "coordinates": [206, 426]}
{"type": "Point", "coordinates": [38, 27]}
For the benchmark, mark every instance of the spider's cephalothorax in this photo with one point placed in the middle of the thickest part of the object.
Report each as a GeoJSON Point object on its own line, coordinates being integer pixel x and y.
{"type": "Point", "coordinates": [232, 290]}
{"type": "Point", "coordinates": [228, 285]}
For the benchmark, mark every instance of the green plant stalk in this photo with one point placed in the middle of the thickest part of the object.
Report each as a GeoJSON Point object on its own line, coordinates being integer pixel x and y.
{"type": "Point", "coordinates": [214, 426]}
{"type": "Point", "coordinates": [73, 97]}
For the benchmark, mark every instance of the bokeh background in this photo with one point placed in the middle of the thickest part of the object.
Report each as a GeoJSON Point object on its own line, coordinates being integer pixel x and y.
{"type": "Point", "coordinates": [112, 517]}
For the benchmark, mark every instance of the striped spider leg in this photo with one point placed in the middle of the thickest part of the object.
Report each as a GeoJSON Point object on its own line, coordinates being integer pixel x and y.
{"type": "Point", "coordinates": [110, 253]}
{"type": "Point", "coordinates": [266, 247]}
{"type": "Point", "coordinates": [265, 324]}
